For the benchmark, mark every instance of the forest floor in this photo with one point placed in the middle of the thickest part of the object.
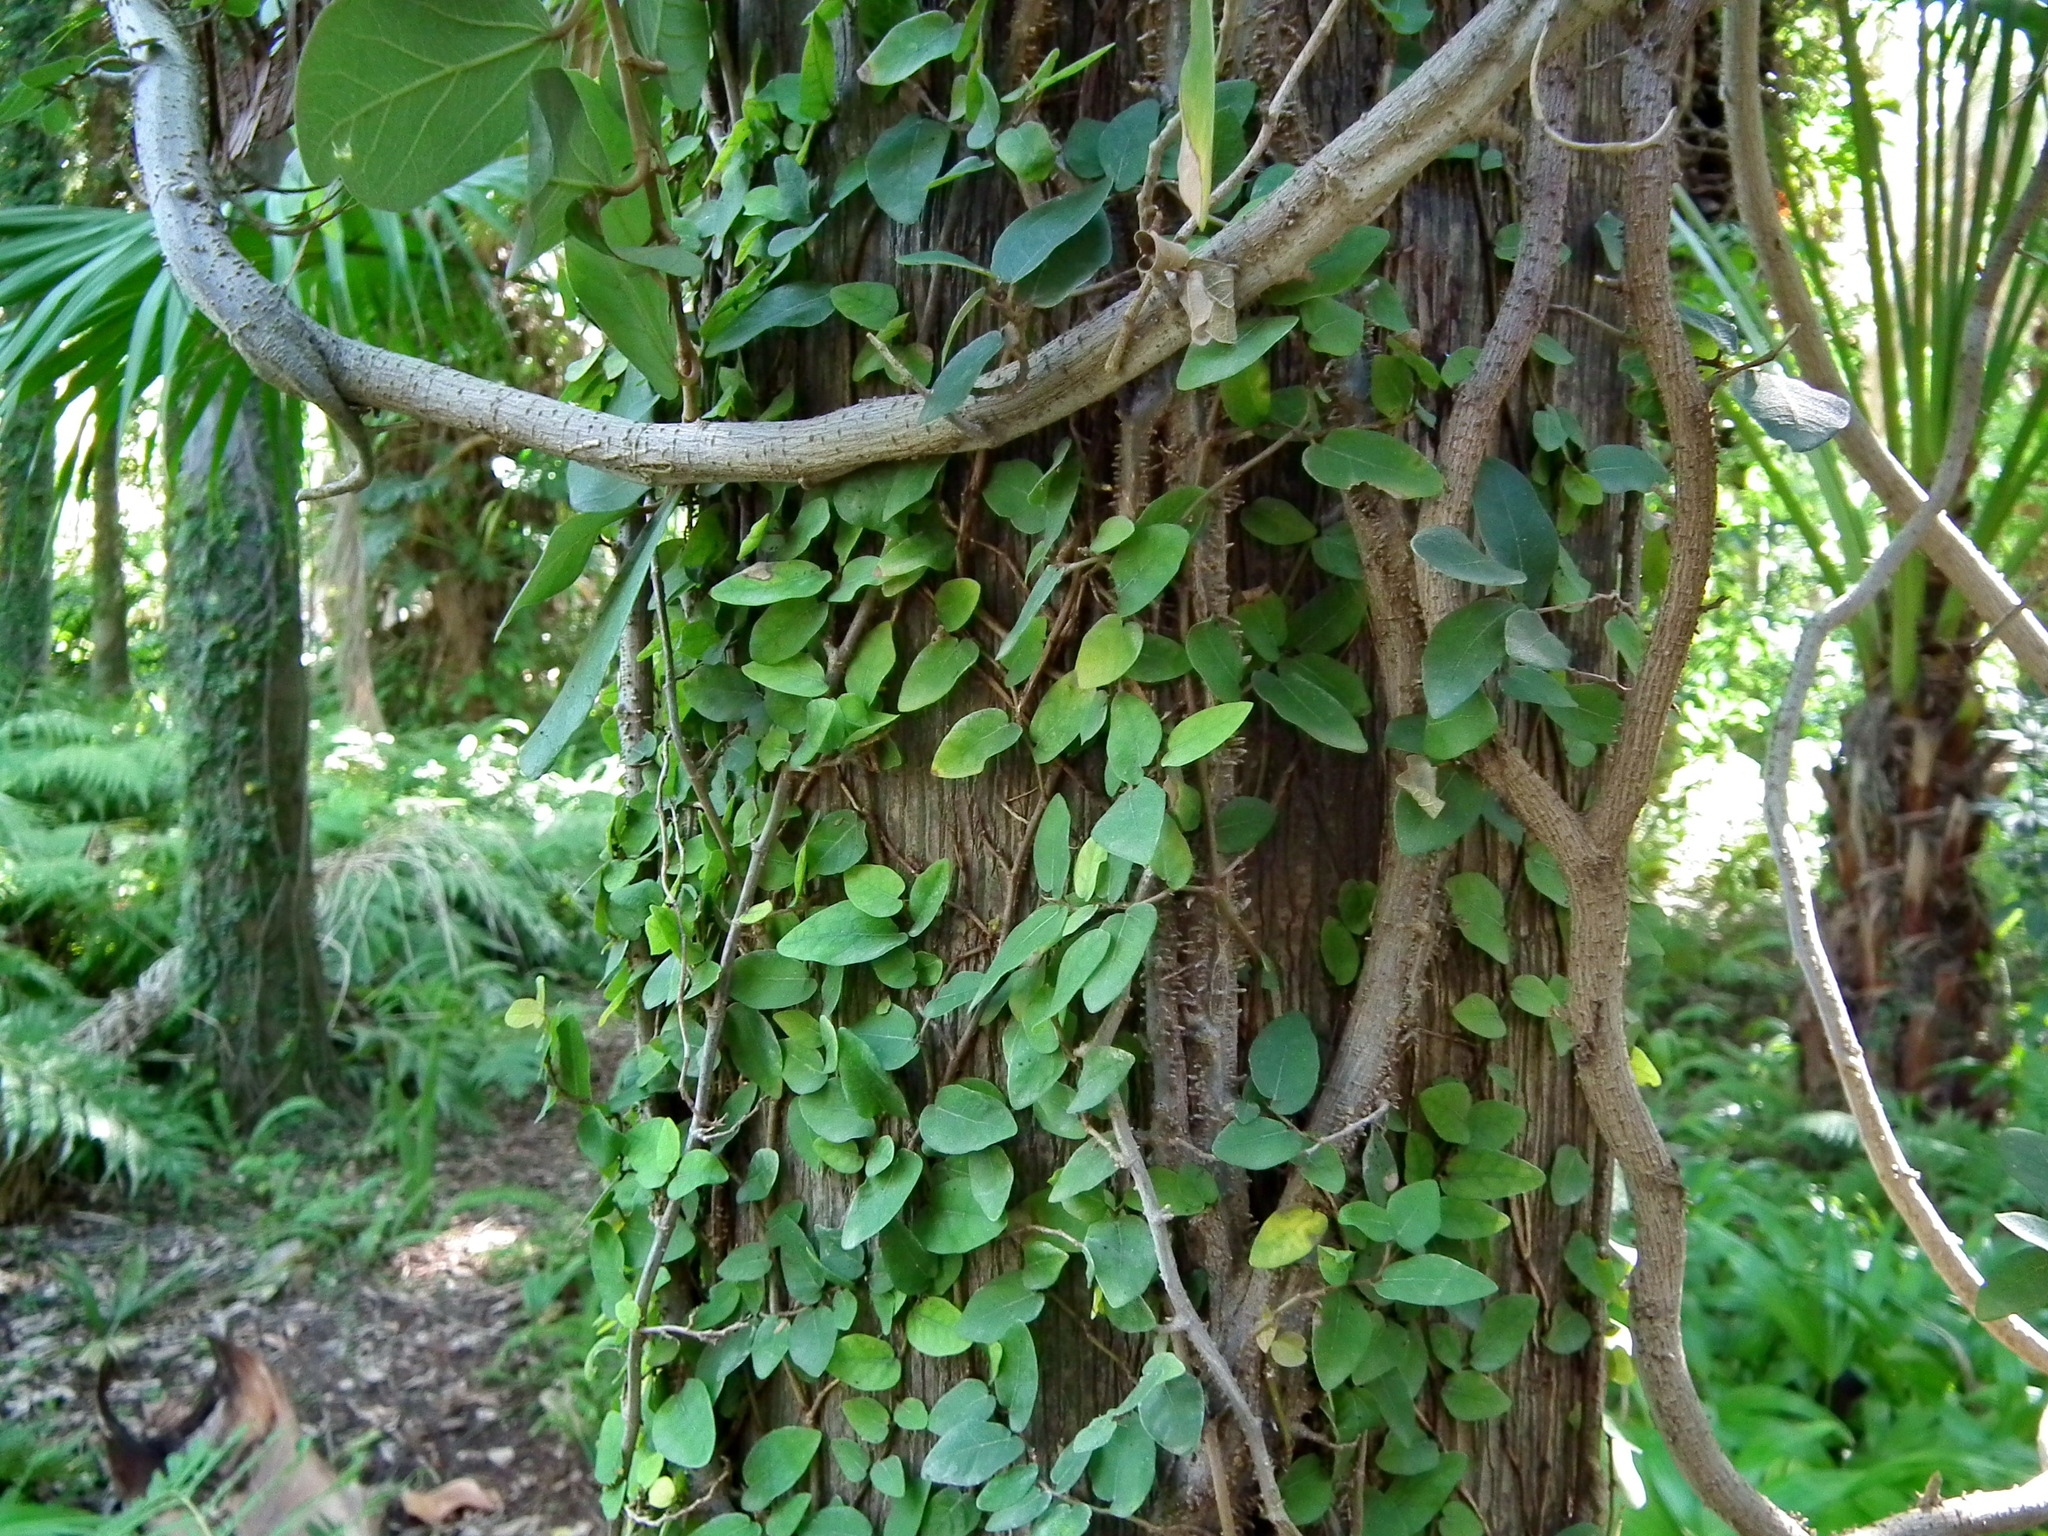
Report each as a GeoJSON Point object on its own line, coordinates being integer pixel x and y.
{"type": "Point", "coordinates": [442, 1357]}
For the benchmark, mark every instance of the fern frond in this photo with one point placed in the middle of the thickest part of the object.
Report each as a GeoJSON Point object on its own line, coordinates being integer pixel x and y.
{"type": "Point", "coordinates": [57, 1098]}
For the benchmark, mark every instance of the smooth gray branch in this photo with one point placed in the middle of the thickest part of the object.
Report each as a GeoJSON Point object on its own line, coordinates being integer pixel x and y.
{"type": "Point", "coordinates": [1349, 182]}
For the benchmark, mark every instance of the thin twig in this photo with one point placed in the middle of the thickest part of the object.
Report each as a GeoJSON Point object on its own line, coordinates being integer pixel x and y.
{"type": "Point", "coordinates": [1189, 1321]}
{"type": "Point", "coordinates": [1901, 1181]}
{"type": "Point", "coordinates": [1269, 115]}
{"type": "Point", "coordinates": [692, 769]}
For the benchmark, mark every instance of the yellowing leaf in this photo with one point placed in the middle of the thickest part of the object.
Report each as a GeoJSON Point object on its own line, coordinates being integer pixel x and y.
{"type": "Point", "coordinates": [1287, 1237]}
{"type": "Point", "coordinates": [1645, 1070]}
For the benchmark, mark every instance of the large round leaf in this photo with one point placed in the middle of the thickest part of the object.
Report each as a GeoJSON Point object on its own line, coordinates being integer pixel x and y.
{"type": "Point", "coordinates": [402, 98]}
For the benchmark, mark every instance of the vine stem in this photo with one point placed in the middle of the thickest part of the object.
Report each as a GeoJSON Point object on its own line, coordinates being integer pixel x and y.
{"type": "Point", "coordinates": [714, 1032]}
{"type": "Point", "coordinates": [1189, 1320]}
{"type": "Point", "coordinates": [692, 769]}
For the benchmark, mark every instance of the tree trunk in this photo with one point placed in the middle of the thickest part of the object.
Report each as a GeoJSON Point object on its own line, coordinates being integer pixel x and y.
{"type": "Point", "coordinates": [28, 524]}
{"type": "Point", "coordinates": [1906, 924]}
{"type": "Point", "coordinates": [110, 678]}
{"type": "Point", "coordinates": [31, 171]}
{"type": "Point", "coordinates": [1248, 939]}
{"type": "Point", "coordinates": [348, 615]}
{"type": "Point", "coordinates": [251, 968]}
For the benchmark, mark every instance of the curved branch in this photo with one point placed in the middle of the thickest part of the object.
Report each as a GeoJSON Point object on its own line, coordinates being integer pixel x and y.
{"type": "Point", "coordinates": [1349, 182]}
{"type": "Point", "coordinates": [1900, 1179]}
{"type": "Point", "coordinates": [1962, 562]}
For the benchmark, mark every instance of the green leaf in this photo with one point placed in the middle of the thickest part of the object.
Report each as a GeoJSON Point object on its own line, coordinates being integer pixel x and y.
{"type": "Point", "coordinates": [630, 304]}
{"type": "Point", "coordinates": [1033, 236]}
{"type": "Point", "coordinates": [1339, 269]}
{"type": "Point", "coordinates": [1146, 563]}
{"type": "Point", "coordinates": [1571, 1176]}
{"type": "Point", "coordinates": [771, 581]}
{"type": "Point", "coordinates": [1211, 362]}
{"type": "Point", "coordinates": [910, 45]}
{"type": "Point", "coordinates": [902, 165]}
{"type": "Point", "coordinates": [1122, 1473]}
{"type": "Point", "coordinates": [1173, 1414]}
{"type": "Point", "coordinates": [965, 1117]}
{"type": "Point", "coordinates": [1447, 1106]}
{"type": "Point", "coordinates": [1027, 150]}
{"type": "Point", "coordinates": [399, 100]}
{"type": "Point", "coordinates": [594, 662]}
{"type": "Point", "coordinates": [1415, 1212]}
{"type": "Point", "coordinates": [793, 305]}
{"type": "Point", "coordinates": [1052, 851]}
{"type": "Point", "coordinates": [1344, 1332]}
{"type": "Point", "coordinates": [1286, 1063]}
{"type": "Point", "coordinates": [1480, 911]}
{"type": "Point", "coordinates": [956, 381]}
{"type": "Point", "coordinates": [1451, 552]}
{"type": "Point", "coordinates": [842, 934]}
{"type": "Point", "coordinates": [678, 34]}
{"type": "Point", "coordinates": [1300, 699]}
{"type": "Point", "coordinates": [933, 672]}
{"type": "Point", "coordinates": [1197, 168]}
{"type": "Point", "coordinates": [1121, 1258]}
{"type": "Point", "coordinates": [1133, 938]}
{"type": "Point", "coordinates": [969, 1454]}
{"type": "Point", "coordinates": [1480, 1173]}
{"type": "Point", "coordinates": [1462, 652]}
{"type": "Point", "coordinates": [2015, 1282]}
{"type": "Point", "coordinates": [1529, 641]}
{"type": "Point", "coordinates": [1468, 1396]}
{"type": "Point", "coordinates": [865, 1363]}
{"type": "Point", "coordinates": [1258, 1143]}
{"type": "Point", "coordinates": [1213, 652]}
{"type": "Point", "coordinates": [2026, 1159]}
{"type": "Point", "coordinates": [1503, 1331]}
{"type": "Point", "coordinates": [972, 741]}
{"type": "Point", "coordinates": [1514, 526]}
{"type": "Point", "coordinates": [682, 1429]}
{"type": "Point", "coordinates": [563, 560]}
{"type": "Point", "coordinates": [1130, 828]}
{"type": "Point", "coordinates": [1203, 732]}
{"type": "Point", "coordinates": [1434, 1280]}
{"type": "Point", "coordinates": [1287, 1236]}
{"type": "Point", "coordinates": [1481, 1015]}
{"type": "Point", "coordinates": [1353, 456]}
{"type": "Point", "coordinates": [1534, 995]}
{"type": "Point", "coordinates": [1108, 651]}
{"type": "Point", "coordinates": [1621, 467]}
{"type": "Point", "coordinates": [876, 1203]}
{"type": "Point", "coordinates": [1126, 143]}
{"type": "Point", "coordinates": [933, 1328]}
{"type": "Point", "coordinates": [1006, 1302]}
{"type": "Point", "coordinates": [1103, 1070]}
{"type": "Point", "coordinates": [776, 1462]}
{"type": "Point", "coordinates": [1472, 724]}
{"type": "Point", "coordinates": [1273, 521]}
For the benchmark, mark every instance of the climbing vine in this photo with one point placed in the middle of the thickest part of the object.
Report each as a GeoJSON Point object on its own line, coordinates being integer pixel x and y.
{"type": "Point", "coordinates": [901, 1112]}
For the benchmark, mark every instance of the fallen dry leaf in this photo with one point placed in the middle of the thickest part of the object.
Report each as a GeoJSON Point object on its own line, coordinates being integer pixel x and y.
{"type": "Point", "coordinates": [437, 1506]}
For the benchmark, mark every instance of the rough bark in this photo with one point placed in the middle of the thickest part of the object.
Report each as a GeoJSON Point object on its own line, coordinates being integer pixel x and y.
{"type": "Point", "coordinates": [31, 171]}
{"type": "Point", "coordinates": [1246, 948]}
{"type": "Point", "coordinates": [250, 967]}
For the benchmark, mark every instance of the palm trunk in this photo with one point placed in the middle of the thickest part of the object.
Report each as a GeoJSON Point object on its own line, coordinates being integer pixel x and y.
{"type": "Point", "coordinates": [251, 970]}
{"type": "Point", "coordinates": [1906, 923]}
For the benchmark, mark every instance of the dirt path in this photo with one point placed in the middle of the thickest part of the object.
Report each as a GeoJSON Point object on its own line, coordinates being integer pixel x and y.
{"type": "Point", "coordinates": [448, 1359]}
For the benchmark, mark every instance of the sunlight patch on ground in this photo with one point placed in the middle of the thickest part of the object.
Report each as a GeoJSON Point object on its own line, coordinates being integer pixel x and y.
{"type": "Point", "coordinates": [461, 1252]}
